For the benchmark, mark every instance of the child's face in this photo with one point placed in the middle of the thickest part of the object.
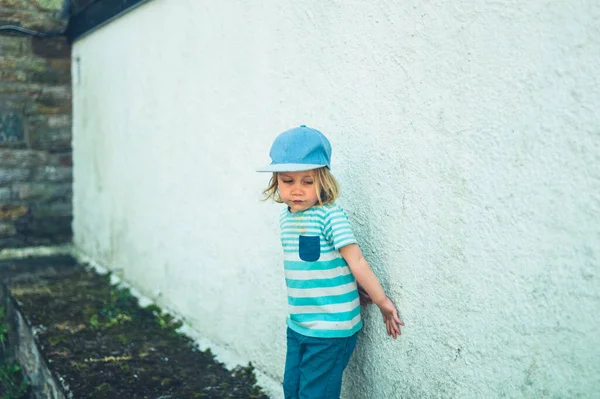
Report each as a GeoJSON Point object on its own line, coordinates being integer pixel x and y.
{"type": "Point", "coordinates": [298, 190]}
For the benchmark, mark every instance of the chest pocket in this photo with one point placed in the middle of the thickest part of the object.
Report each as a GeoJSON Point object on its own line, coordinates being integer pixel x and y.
{"type": "Point", "coordinates": [310, 248]}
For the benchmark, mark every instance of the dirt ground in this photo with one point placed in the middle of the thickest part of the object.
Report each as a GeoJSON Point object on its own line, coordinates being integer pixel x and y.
{"type": "Point", "coordinates": [97, 338]}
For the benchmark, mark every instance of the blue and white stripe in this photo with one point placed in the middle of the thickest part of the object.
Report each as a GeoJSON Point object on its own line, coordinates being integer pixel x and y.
{"type": "Point", "coordinates": [322, 295]}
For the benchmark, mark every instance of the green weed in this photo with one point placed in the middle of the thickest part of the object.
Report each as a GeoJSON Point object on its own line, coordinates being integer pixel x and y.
{"type": "Point", "coordinates": [12, 383]}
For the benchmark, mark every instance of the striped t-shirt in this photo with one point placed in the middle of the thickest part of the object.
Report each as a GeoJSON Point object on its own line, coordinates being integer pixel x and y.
{"type": "Point", "coordinates": [322, 295]}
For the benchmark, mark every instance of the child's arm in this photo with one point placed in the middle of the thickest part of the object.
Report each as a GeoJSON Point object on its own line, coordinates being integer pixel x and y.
{"type": "Point", "coordinates": [367, 279]}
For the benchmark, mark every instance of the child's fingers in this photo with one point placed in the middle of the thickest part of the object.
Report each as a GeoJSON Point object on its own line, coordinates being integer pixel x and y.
{"type": "Point", "coordinates": [392, 325]}
{"type": "Point", "coordinates": [397, 319]}
{"type": "Point", "coordinates": [389, 330]}
{"type": "Point", "coordinates": [365, 299]}
{"type": "Point", "coordinates": [397, 329]}
{"type": "Point", "coordinates": [392, 329]}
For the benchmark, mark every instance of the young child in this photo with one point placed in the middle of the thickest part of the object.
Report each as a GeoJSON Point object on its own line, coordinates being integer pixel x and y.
{"type": "Point", "coordinates": [322, 266]}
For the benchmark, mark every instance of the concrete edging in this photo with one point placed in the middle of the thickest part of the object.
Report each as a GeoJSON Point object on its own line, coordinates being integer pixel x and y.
{"type": "Point", "coordinates": [23, 349]}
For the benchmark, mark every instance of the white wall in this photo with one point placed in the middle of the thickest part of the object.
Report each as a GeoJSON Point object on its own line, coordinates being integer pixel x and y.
{"type": "Point", "coordinates": [466, 137]}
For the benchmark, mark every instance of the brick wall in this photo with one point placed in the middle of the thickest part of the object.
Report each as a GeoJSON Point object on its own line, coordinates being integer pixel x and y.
{"type": "Point", "coordinates": [35, 126]}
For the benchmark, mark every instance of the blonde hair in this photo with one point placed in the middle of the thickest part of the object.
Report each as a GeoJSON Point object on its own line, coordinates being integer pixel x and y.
{"type": "Point", "coordinates": [327, 187]}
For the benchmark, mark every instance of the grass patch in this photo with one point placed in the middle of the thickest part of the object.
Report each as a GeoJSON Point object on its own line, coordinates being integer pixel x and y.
{"type": "Point", "coordinates": [12, 383]}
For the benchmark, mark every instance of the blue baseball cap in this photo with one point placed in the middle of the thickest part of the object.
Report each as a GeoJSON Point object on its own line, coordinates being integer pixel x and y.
{"type": "Point", "coordinates": [298, 149]}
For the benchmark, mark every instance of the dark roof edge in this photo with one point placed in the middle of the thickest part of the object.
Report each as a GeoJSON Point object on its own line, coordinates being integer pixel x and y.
{"type": "Point", "coordinates": [98, 14]}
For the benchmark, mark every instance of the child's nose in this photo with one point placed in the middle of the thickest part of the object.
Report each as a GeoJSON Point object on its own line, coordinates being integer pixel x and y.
{"type": "Point", "coordinates": [297, 189]}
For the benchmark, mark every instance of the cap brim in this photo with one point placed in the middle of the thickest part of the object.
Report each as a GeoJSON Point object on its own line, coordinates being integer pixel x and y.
{"type": "Point", "coordinates": [289, 167]}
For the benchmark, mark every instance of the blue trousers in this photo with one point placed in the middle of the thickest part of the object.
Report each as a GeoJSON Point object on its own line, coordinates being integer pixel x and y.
{"type": "Point", "coordinates": [314, 366]}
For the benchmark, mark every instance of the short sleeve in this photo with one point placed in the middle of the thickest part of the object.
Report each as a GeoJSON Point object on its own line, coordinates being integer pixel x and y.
{"type": "Point", "coordinates": [338, 231]}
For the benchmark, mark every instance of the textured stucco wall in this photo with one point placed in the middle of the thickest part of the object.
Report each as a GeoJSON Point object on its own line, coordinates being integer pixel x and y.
{"type": "Point", "coordinates": [466, 137]}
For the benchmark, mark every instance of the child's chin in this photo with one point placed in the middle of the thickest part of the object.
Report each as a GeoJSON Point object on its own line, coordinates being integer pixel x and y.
{"type": "Point", "coordinates": [298, 208]}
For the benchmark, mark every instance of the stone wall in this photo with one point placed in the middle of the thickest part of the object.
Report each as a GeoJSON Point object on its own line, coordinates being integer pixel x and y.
{"type": "Point", "coordinates": [35, 126]}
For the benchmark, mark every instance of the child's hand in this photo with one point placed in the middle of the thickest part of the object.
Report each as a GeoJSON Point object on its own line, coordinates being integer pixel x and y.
{"type": "Point", "coordinates": [390, 317]}
{"type": "Point", "coordinates": [365, 299]}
